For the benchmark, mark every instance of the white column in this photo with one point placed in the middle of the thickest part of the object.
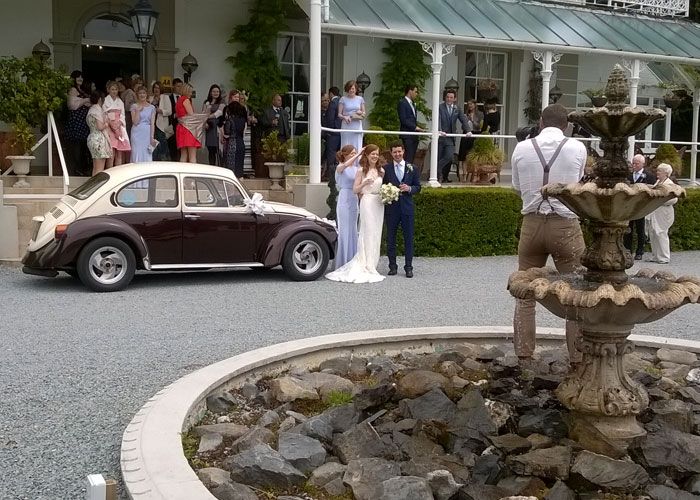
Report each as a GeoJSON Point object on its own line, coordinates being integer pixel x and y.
{"type": "Point", "coordinates": [437, 50]}
{"type": "Point", "coordinates": [315, 92]}
{"type": "Point", "coordinates": [634, 67]}
{"type": "Point", "coordinates": [546, 59]}
{"type": "Point", "coordinates": [667, 124]}
{"type": "Point", "coordinates": [694, 147]}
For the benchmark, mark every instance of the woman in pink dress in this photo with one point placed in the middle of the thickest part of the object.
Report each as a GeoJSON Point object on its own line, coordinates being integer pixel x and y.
{"type": "Point", "coordinates": [114, 109]}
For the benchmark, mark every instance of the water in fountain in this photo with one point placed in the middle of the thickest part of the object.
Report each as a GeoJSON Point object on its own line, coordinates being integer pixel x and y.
{"type": "Point", "coordinates": [608, 303]}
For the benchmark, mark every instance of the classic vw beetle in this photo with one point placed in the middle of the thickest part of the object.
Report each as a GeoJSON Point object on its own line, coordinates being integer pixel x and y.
{"type": "Point", "coordinates": [173, 216]}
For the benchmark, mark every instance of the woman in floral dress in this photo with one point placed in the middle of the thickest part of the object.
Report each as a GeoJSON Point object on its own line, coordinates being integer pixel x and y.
{"type": "Point", "coordinates": [98, 139]}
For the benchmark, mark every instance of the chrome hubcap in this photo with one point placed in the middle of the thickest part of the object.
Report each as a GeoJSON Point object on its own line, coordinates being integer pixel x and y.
{"type": "Point", "coordinates": [107, 265]}
{"type": "Point", "coordinates": [308, 256]}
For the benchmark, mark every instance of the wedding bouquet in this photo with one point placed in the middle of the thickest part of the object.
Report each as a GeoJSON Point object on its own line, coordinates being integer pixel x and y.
{"type": "Point", "coordinates": [389, 193]}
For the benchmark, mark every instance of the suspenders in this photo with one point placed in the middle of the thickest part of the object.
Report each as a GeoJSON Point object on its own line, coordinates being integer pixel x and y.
{"type": "Point", "coordinates": [546, 165]}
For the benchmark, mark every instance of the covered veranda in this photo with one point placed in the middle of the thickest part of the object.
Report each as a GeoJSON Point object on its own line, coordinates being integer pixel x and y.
{"type": "Point", "coordinates": [546, 30]}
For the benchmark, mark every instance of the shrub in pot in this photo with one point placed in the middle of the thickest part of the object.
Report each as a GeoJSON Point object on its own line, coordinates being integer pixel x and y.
{"type": "Point", "coordinates": [275, 154]}
{"type": "Point", "coordinates": [485, 158]}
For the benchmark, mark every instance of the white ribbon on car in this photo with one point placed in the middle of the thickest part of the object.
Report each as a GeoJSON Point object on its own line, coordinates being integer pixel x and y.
{"type": "Point", "coordinates": [330, 222]}
{"type": "Point", "coordinates": [256, 204]}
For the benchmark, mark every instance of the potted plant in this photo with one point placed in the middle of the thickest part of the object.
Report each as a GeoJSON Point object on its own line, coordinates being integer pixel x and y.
{"type": "Point", "coordinates": [299, 174]}
{"type": "Point", "coordinates": [30, 90]}
{"type": "Point", "coordinates": [275, 154]}
{"type": "Point", "coordinates": [672, 97]}
{"type": "Point", "coordinates": [485, 160]}
{"type": "Point", "coordinates": [597, 96]}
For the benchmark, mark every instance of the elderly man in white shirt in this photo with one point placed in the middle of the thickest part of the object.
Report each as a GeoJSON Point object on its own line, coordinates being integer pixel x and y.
{"type": "Point", "coordinates": [548, 228]}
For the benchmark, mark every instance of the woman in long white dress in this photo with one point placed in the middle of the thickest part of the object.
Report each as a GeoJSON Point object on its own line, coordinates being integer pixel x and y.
{"type": "Point", "coordinates": [368, 182]}
{"type": "Point", "coordinates": [661, 220]}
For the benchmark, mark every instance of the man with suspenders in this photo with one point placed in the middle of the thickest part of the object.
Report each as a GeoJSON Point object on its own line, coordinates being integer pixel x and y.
{"type": "Point", "coordinates": [548, 228]}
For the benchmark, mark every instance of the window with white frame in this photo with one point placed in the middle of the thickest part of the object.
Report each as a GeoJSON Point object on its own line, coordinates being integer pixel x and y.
{"type": "Point", "coordinates": [294, 59]}
{"type": "Point", "coordinates": [485, 79]}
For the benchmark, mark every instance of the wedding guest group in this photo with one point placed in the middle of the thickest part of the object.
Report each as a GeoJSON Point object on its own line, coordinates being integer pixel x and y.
{"type": "Point", "coordinates": [548, 227]}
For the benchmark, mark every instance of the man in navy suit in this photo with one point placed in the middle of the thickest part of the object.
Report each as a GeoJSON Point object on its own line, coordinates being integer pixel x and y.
{"type": "Point", "coordinates": [449, 115]}
{"type": "Point", "coordinates": [332, 121]}
{"type": "Point", "coordinates": [403, 175]}
{"type": "Point", "coordinates": [638, 176]}
{"type": "Point", "coordinates": [408, 115]}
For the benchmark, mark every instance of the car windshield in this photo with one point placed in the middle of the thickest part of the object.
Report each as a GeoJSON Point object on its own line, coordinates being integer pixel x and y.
{"type": "Point", "coordinates": [84, 191]}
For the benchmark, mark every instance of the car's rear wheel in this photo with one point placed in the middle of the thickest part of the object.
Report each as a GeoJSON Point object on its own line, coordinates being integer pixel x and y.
{"type": "Point", "coordinates": [305, 257]}
{"type": "Point", "coordinates": [106, 265]}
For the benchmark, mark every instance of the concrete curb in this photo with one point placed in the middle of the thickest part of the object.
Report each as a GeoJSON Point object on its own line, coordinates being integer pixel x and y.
{"type": "Point", "coordinates": [152, 461]}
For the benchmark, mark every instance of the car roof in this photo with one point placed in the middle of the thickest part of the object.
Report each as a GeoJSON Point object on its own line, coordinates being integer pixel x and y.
{"type": "Point", "coordinates": [131, 170]}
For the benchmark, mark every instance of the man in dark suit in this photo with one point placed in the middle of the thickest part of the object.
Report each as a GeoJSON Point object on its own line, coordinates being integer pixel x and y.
{"type": "Point", "coordinates": [408, 115]}
{"type": "Point", "coordinates": [638, 176]}
{"type": "Point", "coordinates": [174, 96]}
{"type": "Point", "coordinates": [449, 115]}
{"type": "Point", "coordinates": [403, 175]}
{"type": "Point", "coordinates": [332, 121]}
{"type": "Point", "coordinates": [276, 118]}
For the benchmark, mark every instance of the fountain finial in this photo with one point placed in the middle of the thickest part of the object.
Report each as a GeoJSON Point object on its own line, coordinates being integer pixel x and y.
{"type": "Point", "coordinates": [616, 89]}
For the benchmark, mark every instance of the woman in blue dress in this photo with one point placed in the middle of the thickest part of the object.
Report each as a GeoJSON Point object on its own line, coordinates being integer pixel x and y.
{"type": "Point", "coordinates": [351, 109]}
{"type": "Point", "coordinates": [143, 118]}
{"type": "Point", "coordinates": [347, 207]}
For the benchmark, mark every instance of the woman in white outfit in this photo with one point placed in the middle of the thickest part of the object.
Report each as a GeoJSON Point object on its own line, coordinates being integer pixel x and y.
{"type": "Point", "coordinates": [368, 182]}
{"type": "Point", "coordinates": [660, 220]}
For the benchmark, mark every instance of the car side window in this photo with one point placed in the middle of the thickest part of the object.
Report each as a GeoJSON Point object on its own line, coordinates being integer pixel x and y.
{"type": "Point", "coordinates": [152, 192]}
{"type": "Point", "coordinates": [234, 195]}
{"type": "Point", "coordinates": [204, 192]}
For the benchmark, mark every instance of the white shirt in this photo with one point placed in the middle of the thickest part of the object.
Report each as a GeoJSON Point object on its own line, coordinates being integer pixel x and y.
{"type": "Point", "coordinates": [411, 103]}
{"type": "Point", "coordinates": [528, 172]}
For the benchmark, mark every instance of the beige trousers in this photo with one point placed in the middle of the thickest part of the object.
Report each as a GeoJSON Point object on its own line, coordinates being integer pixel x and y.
{"type": "Point", "coordinates": [540, 237]}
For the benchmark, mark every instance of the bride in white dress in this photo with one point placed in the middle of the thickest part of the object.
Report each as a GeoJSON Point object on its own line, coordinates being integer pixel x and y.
{"type": "Point", "coordinates": [368, 181]}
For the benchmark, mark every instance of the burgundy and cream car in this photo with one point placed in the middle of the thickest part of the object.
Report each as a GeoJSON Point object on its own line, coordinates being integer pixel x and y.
{"type": "Point", "coordinates": [173, 216]}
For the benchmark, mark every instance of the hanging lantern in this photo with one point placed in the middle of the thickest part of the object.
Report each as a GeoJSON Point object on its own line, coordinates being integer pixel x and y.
{"type": "Point", "coordinates": [362, 82]}
{"type": "Point", "coordinates": [143, 21]}
{"type": "Point", "coordinates": [452, 84]}
{"type": "Point", "coordinates": [555, 94]}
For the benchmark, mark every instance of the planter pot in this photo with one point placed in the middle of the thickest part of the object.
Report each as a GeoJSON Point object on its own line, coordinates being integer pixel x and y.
{"type": "Point", "coordinates": [276, 170]}
{"type": "Point", "coordinates": [672, 101]}
{"type": "Point", "coordinates": [292, 180]}
{"type": "Point", "coordinates": [20, 167]}
{"type": "Point", "coordinates": [599, 101]}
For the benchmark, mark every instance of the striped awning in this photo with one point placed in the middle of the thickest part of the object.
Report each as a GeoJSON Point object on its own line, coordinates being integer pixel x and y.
{"type": "Point", "coordinates": [520, 24]}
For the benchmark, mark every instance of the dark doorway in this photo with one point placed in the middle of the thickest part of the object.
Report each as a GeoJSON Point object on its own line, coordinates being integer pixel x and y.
{"type": "Point", "coordinates": [102, 63]}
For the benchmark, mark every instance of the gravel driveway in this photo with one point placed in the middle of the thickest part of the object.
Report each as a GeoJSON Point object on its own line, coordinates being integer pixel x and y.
{"type": "Point", "coordinates": [77, 365]}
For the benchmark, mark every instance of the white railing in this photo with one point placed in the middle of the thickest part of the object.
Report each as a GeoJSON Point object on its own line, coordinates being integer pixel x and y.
{"type": "Point", "coordinates": [49, 137]}
{"type": "Point", "coordinates": [674, 8]}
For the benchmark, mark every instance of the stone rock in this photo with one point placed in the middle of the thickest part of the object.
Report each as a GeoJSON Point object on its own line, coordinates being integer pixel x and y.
{"type": "Point", "coordinates": [365, 476]}
{"type": "Point", "coordinates": [249, 390]}
{"type": "Point", "coordinates": [415, 383]}
{"type": "Point", "coordinates": [656, 394]}
{"type": "Point", "coordinates": [424, 465]}
{"type": "Point", "coordinates": [289, 497]}
{"type": "Point", "coordinates": [472, 417]}
{"type": "Point", "coordinates": [489, 354]}
{"type": "Point", "coordinates": [269, 418]}
{"type": "Point", "coordinates": [442, 484]}
{"type": "Point", "coordinates": [499, 412]}
{"type": "Point", "coordinates": [288, 388]}
{"type": "Point", "coordinates": [669, 448]}
{"type": "Point", "coordinates": [541, 421]}
{"type": "Point", "coordinates": [212, 477]}
{"type": "Point", "coordinates": [660, 492]}
{"type": "Point", "coordinates": [318, 427]}
{"type": "Point", "coordinates": [676, 356]}
{"type": "Point", "coordinates": [511, 443]}
{"type": "Point", "coordinates": [522, 485]}
{"type": "Point", "coordinates": [473, 366]}
{"type": "Point", "coordinates": [326, 473]}
{"type": "Point", "coordinates": [335, 487]}
{"type": "Point", "coordinates": [693, 484]}
{"type": "Point", "coordinates": [608, 472]}
{"type": "Point", "coordinates": [223, 419]}
{"type": "Point", "coordinates": [677, 372]}
{"type": "Point", "coordinates": [233, 431]}
{"type": "Point", "coordinates": [539, 441]}
{"type": "Point", "coordinates": [690, 395]}
{"type": "Point", "coordinates": [339, 366]}
{"type": "Point", "coordinates": [302, 452]}
{"type": "Point", "coordinates": [327, 383]}
{"type": "Point", "coordinates": [488, 469]}
{"type": "Point", "coordinates": [454, 356]}
{"type": "Point", "coordinates": [406, 488]}
{"type": "Point", "coordinates": [233, 491]}
{"type": "Point", "coordinates": [254, 437]}
{"type": "Point", "coordinates": [450, 369]}
{"type": "Point", "coordinates": [560, 491]}
{"type": "Point", "coordinates": [287, 424]}
{"type": "Point", "coordinates": [383, 365]}
{"type": "Point", "coordinates": [221, 402]}
{"type": "Point", "coordinates": [210, 442]}
{"type": "Point", "coordinates": [590, 438]}
{"type": "Point", "coordinates": [459, 382]}
{"type": "Point", "coordinates": [342, 418]}
{"type": "Point", "coordinates": [674, 414]}
{"type": "Point", "coordinates": [433, 405]}
{"type": "Point", "coordinates": [693, 376]}
{"type": "Point", "coordinates": [645, 378]}
{"type": "Point", "coordinates": [263, 467]}
{"type": "Point", "coordinates": [299, 417]}
{"type": "Point", "coordinates": [545, 382]}
{"type": "Point", "coordinates": [475, 491]}
{"type": "Point", "coordinates": [668, 385]}
{"type": "Point", "coordinates": [361, 441]}
{"type": "Point", "coordinates": [419, 445]}
{"type": "Point", "coordinates": [551, 463]}
{"type": "Point", "coordinates": [371, 397]}
{"type": "Point", "coordinates": [518, 400]}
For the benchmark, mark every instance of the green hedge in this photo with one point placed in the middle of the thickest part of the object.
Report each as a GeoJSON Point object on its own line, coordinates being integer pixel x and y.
{"type": "Point", "coordinates": [478, 221]}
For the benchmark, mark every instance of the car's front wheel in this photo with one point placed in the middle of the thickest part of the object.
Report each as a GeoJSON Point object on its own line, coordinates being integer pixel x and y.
{"type": "Point", "coordinates": [305, 257]}
{"type": "Point", "coordinates": [106, 265]}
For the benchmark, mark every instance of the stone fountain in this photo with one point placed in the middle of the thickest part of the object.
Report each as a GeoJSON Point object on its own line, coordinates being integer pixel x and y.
{"type": "Point", "coordinates": [604, 402]}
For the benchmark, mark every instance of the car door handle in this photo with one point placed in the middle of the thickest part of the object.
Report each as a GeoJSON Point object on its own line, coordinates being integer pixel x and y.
{"type": "Point", "coordinates": [191, 216]}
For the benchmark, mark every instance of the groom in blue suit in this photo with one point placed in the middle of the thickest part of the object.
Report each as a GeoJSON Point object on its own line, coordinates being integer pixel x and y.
{"type": "Point", "coordinates": [401, 213]}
